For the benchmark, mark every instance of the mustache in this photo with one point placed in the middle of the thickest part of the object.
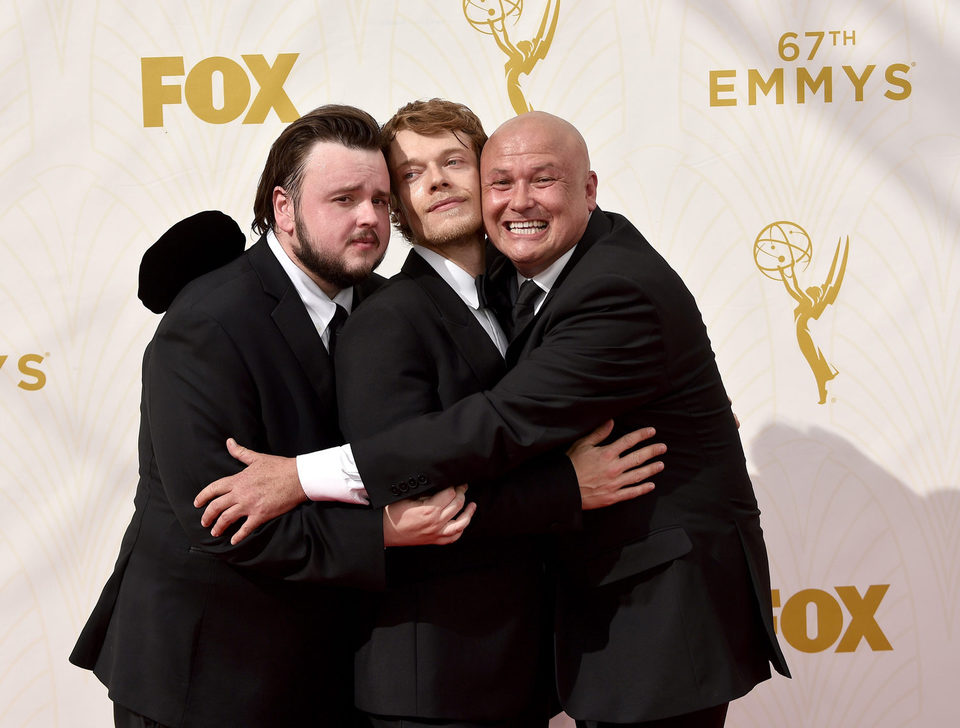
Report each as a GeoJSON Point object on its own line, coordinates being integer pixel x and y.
{"type": "Point", "coordinates": [369, 236]}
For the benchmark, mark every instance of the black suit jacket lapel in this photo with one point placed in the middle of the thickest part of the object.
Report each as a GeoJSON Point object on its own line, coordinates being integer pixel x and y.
{"type": "Point", "coordinates": [293, 321]}
{"type": "Point", "coordinates": [598, 226]}
{"type": "Point", "coordinates": [467, 334]}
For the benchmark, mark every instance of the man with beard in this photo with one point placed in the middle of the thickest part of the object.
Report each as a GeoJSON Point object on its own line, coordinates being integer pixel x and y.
{"type": "Point", "coordinates": [191, 630]}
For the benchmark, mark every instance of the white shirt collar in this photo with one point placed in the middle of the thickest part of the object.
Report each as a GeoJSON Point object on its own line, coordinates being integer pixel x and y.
{"type": "Point", "coordinates": [462, 283]}
{"type": "Point", "coordinates": [319, 305]}
{"type": "Point", "coordinates": [546, 278]}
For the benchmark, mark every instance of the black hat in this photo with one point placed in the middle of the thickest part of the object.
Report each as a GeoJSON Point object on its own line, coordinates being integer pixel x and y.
{"type": "Point", "coordinates": [192, 247]}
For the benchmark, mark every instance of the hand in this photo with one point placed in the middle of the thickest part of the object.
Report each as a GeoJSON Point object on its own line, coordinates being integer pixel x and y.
{"type": "Point", "coordinates": [268, 487]}
{"type": "Point", "coordinates": [431, 519]}
{"type": "Point", "coordinates": [606, 475]}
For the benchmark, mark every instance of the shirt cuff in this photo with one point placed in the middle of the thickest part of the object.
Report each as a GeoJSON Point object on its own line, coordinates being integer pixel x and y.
{"type": "Point", "coordinates": [331, 475]}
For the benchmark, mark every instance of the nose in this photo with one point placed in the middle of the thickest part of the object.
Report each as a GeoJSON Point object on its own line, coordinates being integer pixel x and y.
{"type": "Point", "coordinates": [438, 177]}
{"type": "Point", "coordinates": [368, 214]}
{"type": "Point", "coordinates": [520, 196]}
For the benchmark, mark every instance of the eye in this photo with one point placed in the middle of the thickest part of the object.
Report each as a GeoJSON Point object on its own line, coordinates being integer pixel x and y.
{"type": "Point", "coordinates": [342, 198]}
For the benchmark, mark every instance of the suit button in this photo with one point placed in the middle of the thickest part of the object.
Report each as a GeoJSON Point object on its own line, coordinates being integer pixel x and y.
{"type": "Point", "coordinates": [394, 490]}
{"type": "Point", "coordinates": [422, 479]}
{"type": "Point", "coordinates": [412, 482]}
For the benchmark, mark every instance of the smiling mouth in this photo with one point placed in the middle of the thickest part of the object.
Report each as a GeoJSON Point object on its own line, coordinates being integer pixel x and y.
{"type": "Point", "coordinates": [526, 227]}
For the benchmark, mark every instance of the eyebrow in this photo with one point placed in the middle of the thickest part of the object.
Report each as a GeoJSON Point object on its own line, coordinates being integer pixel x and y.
{"type": "Point", "coordinates": [448, 152]}
{"type": "Point", "coordinates": [354, 188]}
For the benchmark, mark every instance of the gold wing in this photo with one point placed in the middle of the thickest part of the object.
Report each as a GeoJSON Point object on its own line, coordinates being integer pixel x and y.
{"type": "Point", "coordinates": [831, 286]}
{"type": "Point", "coordinates": [542, 42]}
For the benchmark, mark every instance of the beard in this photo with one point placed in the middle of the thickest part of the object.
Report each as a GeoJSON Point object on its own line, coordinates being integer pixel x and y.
{"type": "Point", "coordinates": [326, 266]}
{"type": "Point", "coordinates": [464, 228]}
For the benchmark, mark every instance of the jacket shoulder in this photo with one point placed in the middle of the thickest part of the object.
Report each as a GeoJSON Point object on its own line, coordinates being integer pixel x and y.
{"type": "Point", "coordinates": [396, 294]}
{"type": "Point", "coordinates": [227, 295]}
{"type": "Point", "coordinates": [218, 286]}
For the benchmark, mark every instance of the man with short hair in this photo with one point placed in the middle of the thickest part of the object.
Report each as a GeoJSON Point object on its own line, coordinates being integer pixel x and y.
{"type": "Point", "coordinates": [663, 602]}
{"type": "Point", "coordinates": [191, 630]}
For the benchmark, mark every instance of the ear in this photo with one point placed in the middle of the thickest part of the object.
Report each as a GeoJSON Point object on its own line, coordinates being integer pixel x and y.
{"type": "Point", "coordinates": [591, 190]}
{"type": "Point", "coordinates": [398, 213]}
{"type": "Point", "coordinates": [283, 211]}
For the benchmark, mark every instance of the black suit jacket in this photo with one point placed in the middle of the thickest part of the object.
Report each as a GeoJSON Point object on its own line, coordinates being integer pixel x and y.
{"type": "Point", "coordinates": [663, 601]}
{"type": "Point", "coordinates": [461, 632]}
{"type": "Point", "coordinates": [189, 630]}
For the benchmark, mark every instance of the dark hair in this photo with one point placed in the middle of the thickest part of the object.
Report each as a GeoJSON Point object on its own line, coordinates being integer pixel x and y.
{"type": "Point", "coordinates": [346, 125]}
{"type": "Point", "coordinates": [430, 118]}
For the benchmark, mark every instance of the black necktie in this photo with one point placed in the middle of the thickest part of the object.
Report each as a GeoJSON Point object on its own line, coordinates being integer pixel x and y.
{"type": "Point", "coordinates": [333, 328]}
{"type": "Point", "coordinates": [481, 282]}
{"type": "Point", "coordinates": [523, 307]}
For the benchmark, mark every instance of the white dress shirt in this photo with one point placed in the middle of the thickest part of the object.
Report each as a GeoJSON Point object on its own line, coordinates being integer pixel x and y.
{"type": "Point", "coordinates": [546, 278]}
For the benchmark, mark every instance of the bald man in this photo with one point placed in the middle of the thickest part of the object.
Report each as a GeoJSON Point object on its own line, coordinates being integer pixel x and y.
{"type": "Point", "coordinates": [663, 602]}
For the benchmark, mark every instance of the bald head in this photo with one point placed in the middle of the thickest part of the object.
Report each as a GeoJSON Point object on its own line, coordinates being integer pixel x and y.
{"type": "Point", "coordinates": [538, 189]}
{"type": "Point", "coordinates": [527, 129]}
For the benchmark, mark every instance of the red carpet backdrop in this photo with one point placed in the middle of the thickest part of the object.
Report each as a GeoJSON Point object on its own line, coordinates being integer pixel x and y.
{"type": "Point", "coordinates": [797, 162]}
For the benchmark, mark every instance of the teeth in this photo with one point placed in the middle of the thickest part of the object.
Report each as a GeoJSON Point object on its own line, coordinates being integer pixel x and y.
{"type": "Point", "coordinates": [526, 227]}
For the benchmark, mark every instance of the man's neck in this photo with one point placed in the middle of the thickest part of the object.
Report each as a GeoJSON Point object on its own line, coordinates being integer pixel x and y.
{"type": "Point", "coordinates": [466, 253]}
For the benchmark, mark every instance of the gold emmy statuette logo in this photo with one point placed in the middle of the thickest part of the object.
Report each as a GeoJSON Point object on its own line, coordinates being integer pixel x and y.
{"type": "Point", "coordinates": [778, 250]}
{"type": "Point", "coordinates": [492, 17]}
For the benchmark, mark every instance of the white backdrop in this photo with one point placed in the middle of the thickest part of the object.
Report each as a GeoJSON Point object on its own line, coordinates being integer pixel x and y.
{"type": "Point", "coordinates": [695, 135]}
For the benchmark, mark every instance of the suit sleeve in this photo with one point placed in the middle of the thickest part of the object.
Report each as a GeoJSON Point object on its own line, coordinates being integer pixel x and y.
{"type": "Point", "coordinates": [197, 392]}
{"type": "Point", "coordinates": [602, 354]}
{"type": "Point", "coordinates": [387, 374]}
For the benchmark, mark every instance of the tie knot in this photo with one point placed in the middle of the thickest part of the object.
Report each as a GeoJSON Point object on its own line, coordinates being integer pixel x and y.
{"type": "Point", "coordinates": [527, 295]}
